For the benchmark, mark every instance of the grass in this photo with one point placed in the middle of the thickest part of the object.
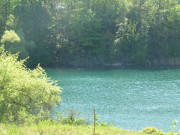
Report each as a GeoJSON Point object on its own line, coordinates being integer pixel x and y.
{"type": "Point", "coordinates": [57, 128]}
{"type": "Point", "coordinates": [49, 128]}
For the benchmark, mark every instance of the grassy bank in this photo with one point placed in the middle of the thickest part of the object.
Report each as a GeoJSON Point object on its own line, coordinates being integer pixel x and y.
{"type": "Point", "coordinates": [56, 128]}
{"type": "Point", "coordinates": [46, 128]}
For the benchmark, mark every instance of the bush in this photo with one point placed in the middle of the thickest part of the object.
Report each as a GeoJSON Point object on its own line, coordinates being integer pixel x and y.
{"type": "Point", "coordinates": [72, 118]}
{"type": "Point", "coordinates": [24, 90]}
{"type": "Point", "coordinates": [150, 130]}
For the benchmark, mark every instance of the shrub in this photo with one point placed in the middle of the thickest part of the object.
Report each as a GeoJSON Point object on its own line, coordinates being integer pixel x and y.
{"type": "Point", "coordinates": [24, 90]}
{"type": "Point", "coordinates": [150, 130]}
{"type": "Point", "coordinates": [72, 118]}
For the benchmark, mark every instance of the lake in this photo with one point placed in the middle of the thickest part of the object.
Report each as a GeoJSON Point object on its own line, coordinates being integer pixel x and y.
{"type": "Point", "coordinates": [127, 98]}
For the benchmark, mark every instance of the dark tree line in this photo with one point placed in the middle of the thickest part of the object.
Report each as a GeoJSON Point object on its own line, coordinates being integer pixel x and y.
{"type": "Point", "coordinates": [92, 32]}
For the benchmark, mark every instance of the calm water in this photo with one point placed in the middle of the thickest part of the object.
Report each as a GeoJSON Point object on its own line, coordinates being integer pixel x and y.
{"type": "Point", "coordinates": [127, 98]}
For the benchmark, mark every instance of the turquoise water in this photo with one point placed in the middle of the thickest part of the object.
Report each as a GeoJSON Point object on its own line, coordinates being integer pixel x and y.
{"type": "Point", "coordinates": [127, 98]}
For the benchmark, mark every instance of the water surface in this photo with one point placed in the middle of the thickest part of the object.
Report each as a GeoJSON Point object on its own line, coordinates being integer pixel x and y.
{"type": "Point", "coordinates": [127, 98]}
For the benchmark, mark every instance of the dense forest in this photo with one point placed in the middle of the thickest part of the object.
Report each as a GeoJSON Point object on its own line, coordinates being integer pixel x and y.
{"type": "Point", "coordinates": [92, 32]}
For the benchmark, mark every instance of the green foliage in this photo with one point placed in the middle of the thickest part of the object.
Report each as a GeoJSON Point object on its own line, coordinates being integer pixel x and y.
{"type": "Point", "coordinates": [23, 91]}
{"type": "Point", "coordinates": [10, 37]}
{"type": "Point", "coordinates": [173, 127]}
{"type": "Point", "coordinates": [15, 42]}
{"type": "Point", "coordinates": [11, 23]}
{"type": "Point", "coordinates": [153, 130]}
{"type": "Point", "coordinates": [72, 118]}
{"type": "Point", "coordinates": [93, 32]}
{"type": "Point", "coordinates": [150, 130]}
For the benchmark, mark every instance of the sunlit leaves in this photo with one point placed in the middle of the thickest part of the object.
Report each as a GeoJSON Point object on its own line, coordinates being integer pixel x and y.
{"type": "Point", "coordinates": [22, 88]}
{"type": "Point", "coordinates": [10, 36]}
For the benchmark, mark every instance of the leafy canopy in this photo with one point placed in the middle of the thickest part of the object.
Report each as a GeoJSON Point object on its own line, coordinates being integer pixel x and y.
{"type": "Point", "coordinates": [22, 89]}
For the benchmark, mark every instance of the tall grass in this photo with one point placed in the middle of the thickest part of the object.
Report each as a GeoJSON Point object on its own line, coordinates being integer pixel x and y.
{"type": "Point", "coordinates": [56, 128]}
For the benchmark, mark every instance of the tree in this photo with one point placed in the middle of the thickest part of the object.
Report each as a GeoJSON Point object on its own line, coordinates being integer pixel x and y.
{"type": "Point", "coordinates": [164, 25]}
{"type": "Point", "coordinates": [35, 22]}
{"type": "Point", "coordinates": [82, 32]}
{"type": "Point", "coordinates": [85, 31]}
{"type": "Point", "coordinates": [22, 89]}
{"type": "Point", "coordinates": [15, 43]}
{"type": "Point", "coordinates": [131, 38]}
{"type": "Point", "coordinates": [7, 8]}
